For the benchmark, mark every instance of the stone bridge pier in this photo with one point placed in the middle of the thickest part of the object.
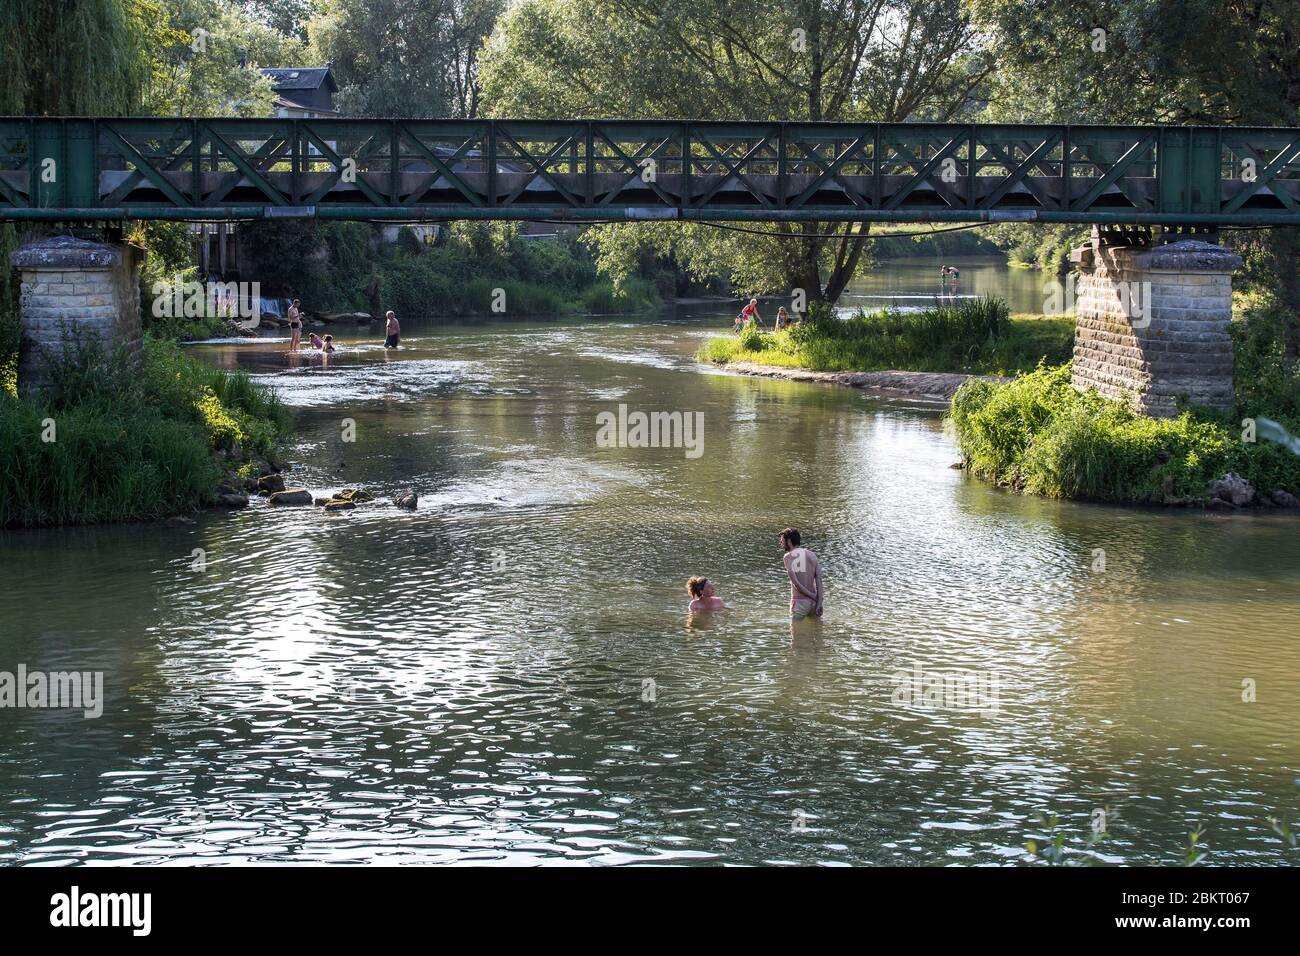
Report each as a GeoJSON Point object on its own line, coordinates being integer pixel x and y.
{"type": "Point", "coordinates": [75, 291]}
{"type": "Point", "coordinates": [1151, 321]}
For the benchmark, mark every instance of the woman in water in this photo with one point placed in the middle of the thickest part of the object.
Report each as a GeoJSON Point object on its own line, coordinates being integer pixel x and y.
{"type": "Point", "coordinates": [702, 596]}
{"type": "Point", "coordinates": [295, 326]}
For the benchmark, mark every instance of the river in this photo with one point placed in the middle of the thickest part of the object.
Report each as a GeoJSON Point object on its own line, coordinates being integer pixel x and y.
{"type": "Point", "coordinates": [509, 675]}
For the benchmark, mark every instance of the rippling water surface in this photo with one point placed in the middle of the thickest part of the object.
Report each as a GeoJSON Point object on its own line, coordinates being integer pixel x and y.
{"type": "Point", "coordinates": [472, 682]}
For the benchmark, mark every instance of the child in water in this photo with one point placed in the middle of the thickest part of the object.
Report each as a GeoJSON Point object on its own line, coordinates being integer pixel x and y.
{"type": "Point", "coordinates": [315, 341]}
{"type": "Point", "coordinates": [328, 344]}
{"type": "Point", "coordinates": [702, 596]}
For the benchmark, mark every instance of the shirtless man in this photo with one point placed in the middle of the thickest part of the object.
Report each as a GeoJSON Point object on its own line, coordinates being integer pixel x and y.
{"type": "Point", "coordinates": [392, 331]}
{"type": "Point", "coordinates": [805, 573]}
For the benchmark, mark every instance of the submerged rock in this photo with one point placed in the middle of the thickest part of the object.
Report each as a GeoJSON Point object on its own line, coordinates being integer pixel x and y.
{"type": "Point", "coordinates": [407, 499]}
{"type": "Point", "coordinates": [231, 500]}
{"type": "Point", "coordinates": [293, 496]}
{"type": "Point", "coordinates": [1233, 489]}
{"type": "Point", "coordinates": [339, 504]}
{"type": "Point", "coordinates": [355, 494]}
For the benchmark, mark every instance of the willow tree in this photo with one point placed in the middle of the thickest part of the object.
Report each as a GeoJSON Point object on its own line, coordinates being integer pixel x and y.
{"type": "Point", "coordinates": [850, 60]}
{"type": "Point", "coordinates": [58, 58]}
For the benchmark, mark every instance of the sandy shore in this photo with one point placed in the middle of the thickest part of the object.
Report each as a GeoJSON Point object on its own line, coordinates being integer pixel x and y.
{"type": "Point", "coordinates": [939, 386]}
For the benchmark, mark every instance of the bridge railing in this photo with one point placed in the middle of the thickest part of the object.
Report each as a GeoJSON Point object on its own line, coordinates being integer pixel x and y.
{"type": "Point", "coordinates": [186, 168]}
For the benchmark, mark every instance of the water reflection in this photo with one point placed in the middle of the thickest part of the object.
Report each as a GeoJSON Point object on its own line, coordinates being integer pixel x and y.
{"type": "Point", "coordinates": [466, 683]}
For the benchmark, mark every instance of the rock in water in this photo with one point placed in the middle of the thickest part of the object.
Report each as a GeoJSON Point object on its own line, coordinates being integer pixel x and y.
{"type": "Point", "coordinates": [231, 500]}
{"type": "Point", "coordinates": [339, 504]}
{"type": "Point", "coordinates": [294, 496]}
{"type": "Point", "coordinates": [355, 494]}
{"type": "Point", "coordinates": [407, 499]}
{"type": "Point", "coordinates": [1285, 499]}
{"type": "Point", "coordinates": [270, 483]}
{"type": "Point", "coordinates": [1233, 489]}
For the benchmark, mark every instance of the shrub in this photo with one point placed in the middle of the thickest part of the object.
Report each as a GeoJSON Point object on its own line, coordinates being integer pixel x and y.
{"type": "Point", "coordinates": [127, 444]}
{"type": "Point", "coordinates": [1040, 435]}
{"type": "Point", "coordinates": [975, 336]}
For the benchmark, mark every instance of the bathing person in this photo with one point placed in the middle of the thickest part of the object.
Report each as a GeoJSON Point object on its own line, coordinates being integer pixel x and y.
{"type": "Point", "coordinates": [782, 318]}
{"type": "Point", "coordinates": [295, 326]}
{"type": "Point", "coordinates": [392, 331]}
{"type": "Point", "coordinates": [315, 341]}
{"type": "Point", "coordinates": [702, 596]}
{"type": "Point", "coordinates": [805, 573]}
{"type": "Point", "coordinates": [328, 344]}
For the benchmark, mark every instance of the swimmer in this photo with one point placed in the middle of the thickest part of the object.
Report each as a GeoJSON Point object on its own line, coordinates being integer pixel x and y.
{"type": "Point", "coordinates": [702, 596]}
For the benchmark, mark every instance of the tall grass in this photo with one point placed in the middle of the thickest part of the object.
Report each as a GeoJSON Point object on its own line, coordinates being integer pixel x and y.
{"type": "Point", "coordinates": [110, 442]}
{"type": "Point", "coordinates": [1039, 435]}
{"type": "Point", "coordinates": [977, 336]}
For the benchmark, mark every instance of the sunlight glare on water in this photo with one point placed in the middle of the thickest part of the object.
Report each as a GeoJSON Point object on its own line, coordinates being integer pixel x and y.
{"type": "Point", "coordinates": [469, 682]}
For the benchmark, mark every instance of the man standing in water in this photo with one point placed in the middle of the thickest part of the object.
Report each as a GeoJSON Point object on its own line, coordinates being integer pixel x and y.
{"type": "Point", "coordinates": [392, 331]}
{"type": "Point", "coordinates": [805, 573]}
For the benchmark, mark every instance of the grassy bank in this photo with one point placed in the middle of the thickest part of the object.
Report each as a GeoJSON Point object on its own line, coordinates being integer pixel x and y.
{"type": "Point", "coordinates": [344, 267]}
{"type": "Point", "coordinates": [1038, 435]}
{"type": "Point", "coordinates": [111, 444]}
{"type": "Point", "coordinates": [979, 337]}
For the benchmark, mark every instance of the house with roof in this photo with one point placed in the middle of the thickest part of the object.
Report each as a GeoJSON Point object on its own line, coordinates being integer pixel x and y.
{"type": "Point", "coordinates": [303, 92]}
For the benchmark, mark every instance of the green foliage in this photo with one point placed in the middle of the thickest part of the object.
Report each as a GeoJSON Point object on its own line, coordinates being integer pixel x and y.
{"type": "Point", "coordinates": [733, 59]}
{"type": "Point", "coordinates": [327, 265]}
{"type": "Point", "coordinates": [1040, 435]}
{"type": "Point", "coordinates": [967, 242]}
{"type": "Point", "coordinates": [460, 276]}
{"type": "Point", "coordinates": [127, 445]}
{"type": "Point", "coordinates": [398, 58]}
{"type": "Point", "coordinates": [975, 336]}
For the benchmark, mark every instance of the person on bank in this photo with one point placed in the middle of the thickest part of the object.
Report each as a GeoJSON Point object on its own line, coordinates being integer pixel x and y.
{"type": "Point", "coordinates": [749, 314]}
{"type": "Point", "coordinates": [295, 326]}
{"type": "Point", "coordinates": [702, 596]}
{"type": "Point", "coordinates": [392, 331]}
{"type": "Point", "coordinates": [782, 319]}
{"type": "Point", "coordinates": [805, 573]}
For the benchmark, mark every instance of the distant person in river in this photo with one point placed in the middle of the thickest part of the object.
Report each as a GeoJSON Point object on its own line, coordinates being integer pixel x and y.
{"type": "Point", "coordinates": [805, 574]}
{"type": "Point", "coordinates": [315, 341]}
{"type": "Point", "coordinates": [328, 344]}
{"type": "Point", "coordinates": [295, 326]}
{"type": "Point", "coordinates": [702, 596]}
{"type": "Point", "coordinates": [392, 331]}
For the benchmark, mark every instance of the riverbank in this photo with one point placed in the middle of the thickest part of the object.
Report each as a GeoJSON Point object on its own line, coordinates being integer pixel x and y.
{"type": "Point", "coordinates": [937, 386]}
{"type": "Point", "coordinates": [1039, 435]}
{"type": "Point", "coordinates": [114, 440]}
{"type": "Point", "coordinates": [974, 337]}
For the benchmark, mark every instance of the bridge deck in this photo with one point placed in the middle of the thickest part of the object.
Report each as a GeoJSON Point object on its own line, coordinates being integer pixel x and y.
{"type": "Point", "coordinates": [591, 170]}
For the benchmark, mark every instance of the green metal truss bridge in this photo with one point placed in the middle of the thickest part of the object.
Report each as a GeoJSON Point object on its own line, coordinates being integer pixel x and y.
{"type": "Point", "coordinates": [77, 169]}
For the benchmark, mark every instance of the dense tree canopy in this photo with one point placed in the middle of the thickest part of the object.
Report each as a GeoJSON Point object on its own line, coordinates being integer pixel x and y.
{"type": "Point", "coordinates": [886, 60]}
